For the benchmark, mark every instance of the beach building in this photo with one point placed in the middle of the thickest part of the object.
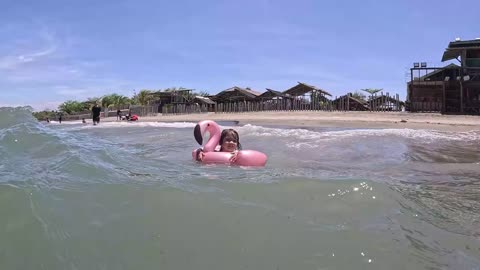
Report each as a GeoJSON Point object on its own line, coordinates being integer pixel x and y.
{"type": "Point", "coordinates": [236, 99]}
{"type": "Point", "coordinates": [204, 102]}
{"type": "Point", "coordinates": [273, 95]}
{"type": "Point", "coordinates": [182, 101]}
{"type": "Point", "coordinates": [452, 89]}
{"type": "Point", "coordinates": [236, 94]}
{"type": "Point", "coordinates": [303, 96]}
{"type": "Point", "coordinates": [385, 102]}
{"type": "Point", "coordinates": [350, 103]}
{"type": "Point", "coordinates": [273, 100]}
{"type": "Point", "coordinates": [299, 97]}
{"type": "Point", "coordinates": [308, 94]}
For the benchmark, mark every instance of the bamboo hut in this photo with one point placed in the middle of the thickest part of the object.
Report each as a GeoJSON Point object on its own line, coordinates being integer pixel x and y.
{"type": "Point", "coordinates": [350, 103]}
{"type": "Point", "coordinates": [236, 99]}
{"type": "Point", "coordinates": [385, 102]}
{"type": "Point", "coordinates": [272, 94]}
{"type": "Point", "coordinates": [235, 94]}
{"type": "Point", "coordinates": [274, 100]}
{"type": "Point", "coordinates": [307, 97]}
{"type": "Point", "coordinates": [204, 103]}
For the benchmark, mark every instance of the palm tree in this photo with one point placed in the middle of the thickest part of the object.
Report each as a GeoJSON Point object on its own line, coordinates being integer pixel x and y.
{"type": "Point", "coordinates": [72, 106]}
{"type": "Point", "coordinates": [91, 101]}
{"type": "Point", "coordinates": [143, 97]}
{"type": "Point", "coordinates": [107, 100]}
{"type": "Point", "coordinates": [121, 101]}
{"type": "Point", "coordinates": [115, 100]}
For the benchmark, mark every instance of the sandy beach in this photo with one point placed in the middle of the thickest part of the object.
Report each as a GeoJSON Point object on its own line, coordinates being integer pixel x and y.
{"type": "Point", "coordinates": [432, 121]}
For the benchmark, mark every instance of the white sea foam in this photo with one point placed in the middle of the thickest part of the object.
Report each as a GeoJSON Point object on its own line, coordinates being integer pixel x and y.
{"type": "Point", "coordinates": [307, 135]}
{"type": "Point", "coordinates": [304, 135]}
{"type": "Point", "coordinates": [53, 122]}
{"type": "Point", "coordinates": [138, 124]}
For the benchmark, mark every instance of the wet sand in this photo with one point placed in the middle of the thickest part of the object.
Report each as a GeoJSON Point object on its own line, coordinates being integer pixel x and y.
{"type": "Point", "coordinates": [431, 121]}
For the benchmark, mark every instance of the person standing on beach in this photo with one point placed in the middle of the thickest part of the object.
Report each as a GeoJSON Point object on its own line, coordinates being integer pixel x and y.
{"type": "Point", "coordinates": [96, 114]}
{"type": "Point", "coordinates": [119, 114]}
{"type": "Point", "coordinates": [60, 118]}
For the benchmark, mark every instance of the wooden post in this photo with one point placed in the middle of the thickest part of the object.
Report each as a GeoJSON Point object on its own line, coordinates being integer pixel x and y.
{"type": "Point", "coordinates": [348, 101]}
{"type": "Point", "coordinates": [462, 72]}
{"type": "Point", "coordinates": [461, 95]}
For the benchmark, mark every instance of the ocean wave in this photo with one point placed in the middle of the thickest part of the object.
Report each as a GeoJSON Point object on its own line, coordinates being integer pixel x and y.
{"type": "Point", "coordinates": [307, 135]}
{"type": "Point", "coordinates": [33, 153]}
{"type": "Point", "coordinates": [124, 124]}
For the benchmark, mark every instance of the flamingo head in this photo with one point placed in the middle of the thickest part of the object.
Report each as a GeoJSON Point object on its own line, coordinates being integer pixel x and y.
{"type": "Point", "coordinates": [203, 127]}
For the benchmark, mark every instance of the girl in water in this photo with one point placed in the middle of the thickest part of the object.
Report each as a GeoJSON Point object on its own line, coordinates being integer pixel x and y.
{"type": "Point", "coordinates": [229, 142]}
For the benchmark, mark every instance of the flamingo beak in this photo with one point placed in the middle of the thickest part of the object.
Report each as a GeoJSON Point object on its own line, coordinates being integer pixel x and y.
{"type": "Point", "coordinates": [197, 133]}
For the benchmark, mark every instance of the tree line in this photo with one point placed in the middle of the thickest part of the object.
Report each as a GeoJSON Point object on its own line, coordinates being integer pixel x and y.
{"type": "Point", "coordinates": [142, 98]}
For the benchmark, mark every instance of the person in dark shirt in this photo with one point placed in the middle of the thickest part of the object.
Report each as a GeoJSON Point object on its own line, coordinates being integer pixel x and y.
{"type": "Point", "coordinates": [96, 114]}
{"type": "Point", "coordinates": [119, 114]}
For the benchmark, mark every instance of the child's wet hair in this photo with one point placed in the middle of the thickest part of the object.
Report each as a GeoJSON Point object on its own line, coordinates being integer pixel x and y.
{"type": "Point", "coordinates": [233, 134]}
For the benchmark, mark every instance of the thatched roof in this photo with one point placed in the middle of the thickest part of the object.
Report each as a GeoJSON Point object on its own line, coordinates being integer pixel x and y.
{"type": "Point", "coordinates": [203, 100]}
{"type": "Point", "coordinates": [270, 94]}
{"type": "Point", "coordinates": [236, 94]}
{"type": "Point", "coordinates": [354, 104]}
{"type": "Point", "coordinates": [387, 99]}
{"type": "Point", "coordinates": [303, 88]}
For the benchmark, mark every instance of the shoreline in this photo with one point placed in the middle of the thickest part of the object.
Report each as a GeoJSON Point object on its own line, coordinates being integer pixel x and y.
{"type": "Point", "coordinates": [431, 121]}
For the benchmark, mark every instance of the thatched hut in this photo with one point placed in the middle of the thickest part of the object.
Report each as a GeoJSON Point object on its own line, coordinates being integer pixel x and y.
{"type": "Point", "coordinates": [205, 102]}
{"type": "Point", "coordinates": [306, 97]}
{"type": "Point", "coordinates": [272, 94]}
{"type": "Point", "coordinates": [302, 88]}
{"type": "Point", "coordinates": [386, 103]}
{"type": "Point", "coordinates": [235, 94]}
{"type": "Point", "coordinates": [350, 103]}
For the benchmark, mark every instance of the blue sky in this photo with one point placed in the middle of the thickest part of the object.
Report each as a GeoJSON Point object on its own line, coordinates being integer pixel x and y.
{"type": "Point", "coordinates": [52, 51]}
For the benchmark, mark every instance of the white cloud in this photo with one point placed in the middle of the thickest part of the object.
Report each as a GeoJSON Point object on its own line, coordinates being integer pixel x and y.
{"type": "Point", "coordinates": [13, 60]}
{"type": "Point", "coordinates": [39, 59]}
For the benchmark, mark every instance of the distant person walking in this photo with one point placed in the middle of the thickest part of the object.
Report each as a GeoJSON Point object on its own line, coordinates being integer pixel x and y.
{"type": "Point", "coordinates": [96, 114]}
{"type": "Point", "coordinates": [119, 114]}
{"type": "Point", "coordinates": [60, 115]}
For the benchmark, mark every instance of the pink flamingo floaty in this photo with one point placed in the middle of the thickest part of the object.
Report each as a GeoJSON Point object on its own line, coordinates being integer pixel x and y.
{"type": "Point", "coordinates": [244, 157]}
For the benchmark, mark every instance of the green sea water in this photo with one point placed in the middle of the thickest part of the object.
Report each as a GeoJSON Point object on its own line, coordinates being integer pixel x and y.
{"type": "Point", "coordinates": [128, 196]}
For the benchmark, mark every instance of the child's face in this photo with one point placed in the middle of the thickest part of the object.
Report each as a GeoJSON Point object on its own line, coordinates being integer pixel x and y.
{"type": "Point", "coordinates": [229, 143]}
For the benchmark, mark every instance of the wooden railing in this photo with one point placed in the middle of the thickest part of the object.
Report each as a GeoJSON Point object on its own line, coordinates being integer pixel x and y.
{"type": "Point", "coordinates": [382, 103]}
